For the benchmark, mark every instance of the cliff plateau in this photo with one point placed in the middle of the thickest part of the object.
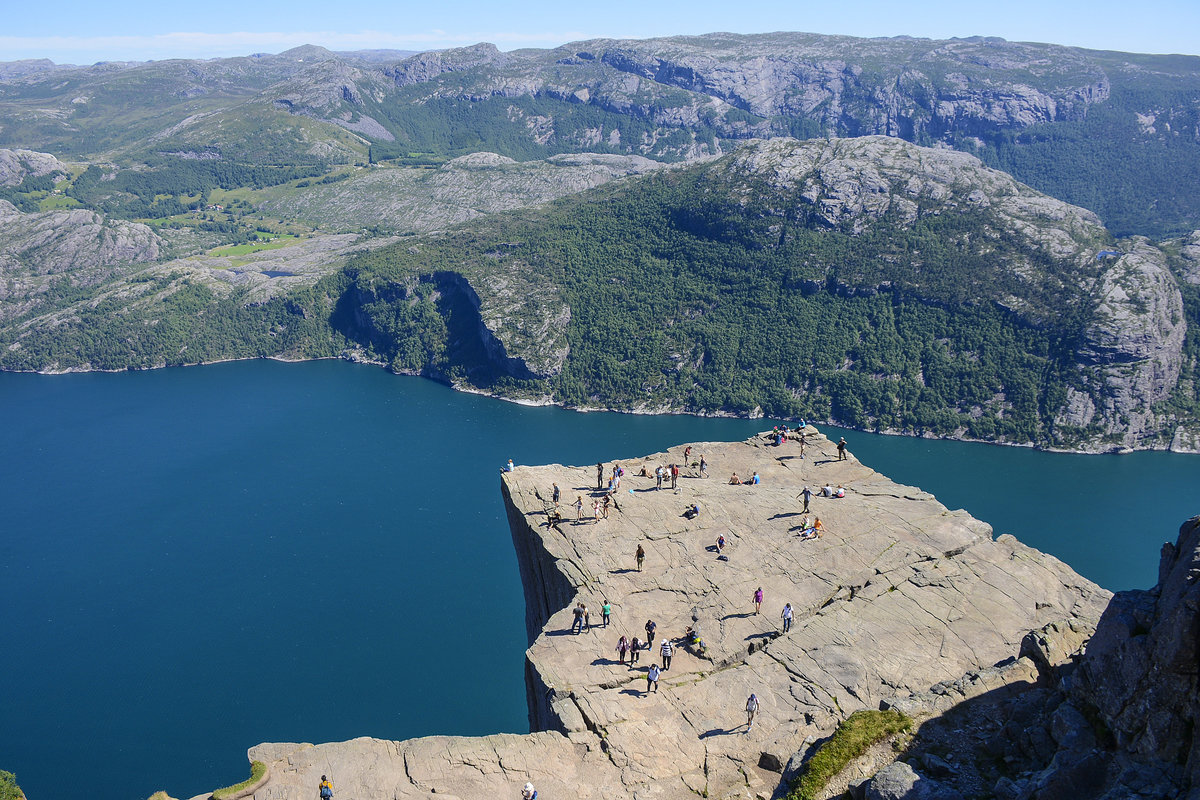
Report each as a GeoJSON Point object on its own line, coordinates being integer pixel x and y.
{"type": "Point", "coordinates": [898, 597]}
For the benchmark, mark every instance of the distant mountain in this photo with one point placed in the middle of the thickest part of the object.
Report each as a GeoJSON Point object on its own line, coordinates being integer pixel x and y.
{"type": "Point", "coordinates": [1115, 132]}
{"type": "Point", "coordinates": [867, 281]}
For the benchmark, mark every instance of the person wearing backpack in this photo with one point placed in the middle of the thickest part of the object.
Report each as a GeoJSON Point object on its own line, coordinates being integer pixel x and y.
{"type": "Point", "coordinates": [326, 789]}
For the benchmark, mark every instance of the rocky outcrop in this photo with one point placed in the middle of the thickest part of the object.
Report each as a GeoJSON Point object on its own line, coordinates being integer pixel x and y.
{"type": "Point", "coordinates": [1107, 716]}
{"type": "Point", "coordinates": [55, 241]}
{"type": "Point", "coordinates": [1140, 670]}
{"type": "Point", "coordinates": [899, 595]}
{"type": "Point", "coordinates": [16, 165]}
{"type": "Point", "coordinates": [1132, 349]}
{"type": "Point", "coordinates": [471, 186]}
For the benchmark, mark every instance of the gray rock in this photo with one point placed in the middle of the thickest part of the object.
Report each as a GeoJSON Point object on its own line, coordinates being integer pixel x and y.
{"type": "Point", "coordinates": [880, 609]}
{"type": "Point", "coordinates": [898, 781]}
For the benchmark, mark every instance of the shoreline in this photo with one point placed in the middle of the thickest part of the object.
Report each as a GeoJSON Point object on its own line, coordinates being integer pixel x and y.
{"type": "Point", "coordinates": [664, 410]}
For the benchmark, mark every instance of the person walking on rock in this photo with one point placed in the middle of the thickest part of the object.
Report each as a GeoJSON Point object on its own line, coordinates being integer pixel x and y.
{"type": "Point", "coordinates": [528, 792]}
{"type": "Point", "coordinates": [650, 628]}
{"type": "Point", "coordinates": [652, 678]}
{"type": "Point", "coordinates": [622, 649]}
{"type": "Point", "coordinates": [635, 651]}
{"type": "Point", "coordinates": [751, 711]}
{"type": "Point", "coordinates": [666, 651]}
{"type": "Point", "coordinates": [641, 556]}
{"type": "Point", "coordinates": [842, 449]}
{"type": "Point", "coordinates": [758, 598]}
{"type": "Point", "coordinates": [325, 789]}
{"type": "Point", "coordinates": [703, 467]}
{"type": "Point", "coordinates": [787, 617]}
{"type": "Point", "coordinates": [806, 495]}
{"type": "Point", "coordinates": [605, 612]}
{"type": "Point", "coordinates": [577, 622]}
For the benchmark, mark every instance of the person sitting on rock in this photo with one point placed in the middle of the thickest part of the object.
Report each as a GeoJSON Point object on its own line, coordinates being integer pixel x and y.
{"type": "Point", "coordinates": [755, 480]}
{"type": "Point", "coordinates": [692, 511]}
{"type": "Point", "coordinates": [734, 480]}
{"type": "Point", "coordinates": [827, 491]}
{"type": "Point", "coordinates": [840, 491]}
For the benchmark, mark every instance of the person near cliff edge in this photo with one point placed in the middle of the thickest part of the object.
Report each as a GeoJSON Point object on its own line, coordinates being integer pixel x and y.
{"type": "Point", "coordinates": [325, 788]}
{"type": "Point", "coordinates": [599, 476]}
{"type": "Point", "coordinates": [528, 792]}
{"type": "Point", "coordinates": [842, 449]}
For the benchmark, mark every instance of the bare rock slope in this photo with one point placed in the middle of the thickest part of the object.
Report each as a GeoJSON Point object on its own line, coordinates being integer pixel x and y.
{"type": "Point", "coordinates": [899, 595]}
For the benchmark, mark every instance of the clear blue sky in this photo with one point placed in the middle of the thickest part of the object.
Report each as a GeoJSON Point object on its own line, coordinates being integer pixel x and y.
{"type": "Point", "coordinates": [74, 31]}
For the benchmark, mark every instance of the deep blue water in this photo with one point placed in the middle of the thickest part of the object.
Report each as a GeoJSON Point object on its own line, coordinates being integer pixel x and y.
{"type": "Point", "coordinates": [196, 560]}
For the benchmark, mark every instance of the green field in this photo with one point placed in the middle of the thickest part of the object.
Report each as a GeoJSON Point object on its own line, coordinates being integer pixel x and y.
{"type": "Point", "coordinates": [284, 240]}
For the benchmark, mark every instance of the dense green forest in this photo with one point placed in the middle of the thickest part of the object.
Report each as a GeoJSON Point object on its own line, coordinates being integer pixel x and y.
{"type": "Point", "coordinates": [190, 324]}
{"type": "Point", "coordinates": [679, 303]}
{"type": "Point", "coordinates": [169, 186]}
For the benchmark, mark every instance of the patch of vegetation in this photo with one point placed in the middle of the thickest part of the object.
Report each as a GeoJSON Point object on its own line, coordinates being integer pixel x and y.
{"type": "Point", "coordinates": [284, 240]}
{"type": "Point", "coordinates": [173, 322]}
{"type": "Point", "coordinates": [8, 787]}
{"type": "Point", "coordinates": [853, 737]}
{"type": "Point", "coordinates": [257, 770]}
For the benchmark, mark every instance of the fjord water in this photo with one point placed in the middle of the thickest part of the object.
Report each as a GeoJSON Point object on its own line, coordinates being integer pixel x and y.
{"type": "Point", "coordinates": [196, 560]}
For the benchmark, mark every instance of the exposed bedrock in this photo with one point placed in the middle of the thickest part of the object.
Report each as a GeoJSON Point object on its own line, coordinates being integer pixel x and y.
{"type": "Point", "coordinates": [900, 596]}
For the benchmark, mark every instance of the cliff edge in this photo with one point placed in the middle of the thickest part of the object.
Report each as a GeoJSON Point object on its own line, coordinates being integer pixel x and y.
{"type": "Point", "coordinates": [897, 596]}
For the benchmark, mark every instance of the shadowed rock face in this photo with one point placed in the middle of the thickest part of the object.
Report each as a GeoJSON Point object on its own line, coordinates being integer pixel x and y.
{"type": "Point", "coordinates": [898, 595]}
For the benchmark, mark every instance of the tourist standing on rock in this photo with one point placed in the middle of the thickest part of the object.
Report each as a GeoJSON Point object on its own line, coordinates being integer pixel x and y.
{"type": "Point", "coordinates": [703, 467]}
{"type": "Point", "coordinates": [577, 622]}
{"type": "Point", "coordinates": [622, 649]}
{"type": "Point", "coordinates": [674, 475]}
{"type": "Point", "coordinates": [578, 508]}
{"type": "Point", "coordinates": [599, 476]}
{"type": "Point", "coordinates": [687, 456]}
{"type": "Point", "coordinates": [658, 476]}
{"type": "Point", "coordinates": [587, 619]}
{"type": "Point", "coordinates": [641, 556]}
{"type": "Point", "coordinates": [787, 617]}
{"type": "Point", "coordinates": [596, 510]}
{"type": "Point", "coordinates": [528, 792]}
{"type": "Point", "coordinates": [605, 505]}
{"type": "Point", "coordinates": [806, 495]}
{"type": "Point", "coordinates": [720, 544]}
{"type": "Point", "coordinates": [666, 651]}
{"type": "Point", "coordinates": [842, 449]}
{"type": "Point", "coordinates": [555, 495]}
{"type": "Point", "coordinates": [635, 651]}
{"type": "Point", "coordinates": [325, 789]}
{"type": "Point", "coordinates": [606, 612]}
{"type": "Point", "coordinates": [751, 710]}
{"type": "Point", "coordinates": [758, 598]}
{"type": "Point", "coordinates": [652, 678]}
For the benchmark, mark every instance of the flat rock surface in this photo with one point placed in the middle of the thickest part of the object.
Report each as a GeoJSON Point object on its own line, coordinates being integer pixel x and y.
{"type": "Point", "coordinates": [899, 594]}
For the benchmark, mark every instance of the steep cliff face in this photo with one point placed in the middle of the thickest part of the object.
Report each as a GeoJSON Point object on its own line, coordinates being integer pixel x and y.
{"type": "Point", "coordinates": [1140, 670]}
{"type": "Point", "coordinates": [1132, 349]}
